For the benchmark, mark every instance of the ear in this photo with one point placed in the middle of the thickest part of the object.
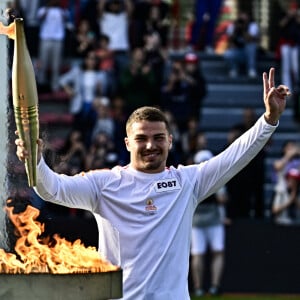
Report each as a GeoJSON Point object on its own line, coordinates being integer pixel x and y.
{"type": "Point", "coordinates": [170, 141]}
{"type": "Point", "coordinates": [126, 140]}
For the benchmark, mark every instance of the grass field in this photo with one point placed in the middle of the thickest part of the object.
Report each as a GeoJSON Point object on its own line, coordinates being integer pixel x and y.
{"type": "Point", "coordinates": [248, 297]}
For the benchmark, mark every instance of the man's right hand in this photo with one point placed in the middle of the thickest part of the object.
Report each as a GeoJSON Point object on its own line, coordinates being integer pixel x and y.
{"type": "Point", "coordinates": [22, 152]}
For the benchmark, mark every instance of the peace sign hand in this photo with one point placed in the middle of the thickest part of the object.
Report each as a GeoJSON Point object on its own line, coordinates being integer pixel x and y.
{"type": "Point", "coordinates": [274, 98]}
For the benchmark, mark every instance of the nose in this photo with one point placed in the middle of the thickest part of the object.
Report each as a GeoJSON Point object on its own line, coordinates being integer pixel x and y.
{"type": "Point", "coordinates": [149, 144]}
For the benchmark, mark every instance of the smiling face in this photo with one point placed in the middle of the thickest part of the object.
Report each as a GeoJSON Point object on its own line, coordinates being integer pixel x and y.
{"type": "Point", "coordinates": [148, 143]}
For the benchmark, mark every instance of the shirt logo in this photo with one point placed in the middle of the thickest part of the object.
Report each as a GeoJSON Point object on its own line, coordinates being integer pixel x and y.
{"type": "Point", "coordinates": [150, 208]}
{"type": "Point", "coordinates": [167, 185]}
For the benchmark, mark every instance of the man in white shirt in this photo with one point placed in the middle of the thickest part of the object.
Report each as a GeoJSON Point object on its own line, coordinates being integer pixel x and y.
{"type": "Point", "coordinates": [52, 18]}
{"type": "Point", "coordinates": [152, 205]}
{"type": "Point", "coordinates": [113, 20]}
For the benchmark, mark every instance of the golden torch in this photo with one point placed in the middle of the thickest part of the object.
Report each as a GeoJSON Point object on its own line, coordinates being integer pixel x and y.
{"type": "Point", "coordinates": [25, 98]}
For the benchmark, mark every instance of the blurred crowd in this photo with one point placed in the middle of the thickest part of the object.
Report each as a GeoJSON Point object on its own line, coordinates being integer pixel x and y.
{"type": "Point", "coordinates": [111, 56]}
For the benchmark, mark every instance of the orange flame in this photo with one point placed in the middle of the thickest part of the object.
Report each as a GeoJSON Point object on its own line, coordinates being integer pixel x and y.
{"type": "Point", "coordinates": [42, 255]}
{"type": "Point", "coordinates": [8, 30]}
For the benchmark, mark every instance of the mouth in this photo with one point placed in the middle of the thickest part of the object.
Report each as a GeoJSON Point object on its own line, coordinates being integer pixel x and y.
{"type": "Point", "coordinates": [151, 156]}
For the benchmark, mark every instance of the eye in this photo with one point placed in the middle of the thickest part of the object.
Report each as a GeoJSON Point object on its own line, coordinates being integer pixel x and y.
{"type": "Point", "coordinates": [160, 138]}
{"type": "Point", "coordinates": [140, 139]}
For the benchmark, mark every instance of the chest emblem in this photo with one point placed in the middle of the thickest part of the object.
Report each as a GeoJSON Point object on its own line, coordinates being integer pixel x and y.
{"type": "Point", "coordinates": [150, 208]}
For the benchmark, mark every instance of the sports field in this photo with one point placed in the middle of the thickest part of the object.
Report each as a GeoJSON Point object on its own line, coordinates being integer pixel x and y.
{"type": "Point", "coordinates": [248, 297]}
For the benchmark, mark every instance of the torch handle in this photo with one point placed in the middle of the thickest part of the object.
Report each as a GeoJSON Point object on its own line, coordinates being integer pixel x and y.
{"type": "Point", "coordinates": [27, 124]}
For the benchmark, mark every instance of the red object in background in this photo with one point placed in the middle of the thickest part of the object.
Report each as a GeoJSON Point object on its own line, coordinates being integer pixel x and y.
{"type": "Point", "coordinates": [294, 173]}
{"type": "Point", "coordinates": [188, 32]}
{"type": "Point", "coordinates": [191, 58]}
{"type": "Point", "coordinates": [293, 5]}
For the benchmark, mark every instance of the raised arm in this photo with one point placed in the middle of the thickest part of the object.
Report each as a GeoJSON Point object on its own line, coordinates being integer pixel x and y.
{"type": "Point", "coordinates": [221, 168]}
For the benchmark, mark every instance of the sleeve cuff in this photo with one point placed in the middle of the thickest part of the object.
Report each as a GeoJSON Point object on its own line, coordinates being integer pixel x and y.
{"type": "Point", "coordinates": [266, 123]}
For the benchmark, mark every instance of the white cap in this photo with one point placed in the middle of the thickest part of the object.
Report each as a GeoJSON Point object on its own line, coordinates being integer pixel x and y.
{"type": "Point", "coordinates": [202, 155]}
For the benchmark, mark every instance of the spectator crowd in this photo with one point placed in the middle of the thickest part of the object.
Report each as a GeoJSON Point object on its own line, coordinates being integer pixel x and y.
{"type": "Point", "coordinates": [111, 56]}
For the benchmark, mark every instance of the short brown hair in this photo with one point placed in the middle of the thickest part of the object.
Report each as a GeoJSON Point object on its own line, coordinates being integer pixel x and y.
{"type": "Point", "coordinates": [147, 113]}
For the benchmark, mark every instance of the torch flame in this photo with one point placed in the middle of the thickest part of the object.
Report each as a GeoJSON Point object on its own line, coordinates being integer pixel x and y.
{"type": "Point", "coordinates": [8, 30]}
{"type": "Point", "coordinates": [46, 255]}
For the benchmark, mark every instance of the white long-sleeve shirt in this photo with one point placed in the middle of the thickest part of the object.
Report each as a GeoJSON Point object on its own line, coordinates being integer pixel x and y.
{"type": "Point", "coordinates": [153, 212]}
